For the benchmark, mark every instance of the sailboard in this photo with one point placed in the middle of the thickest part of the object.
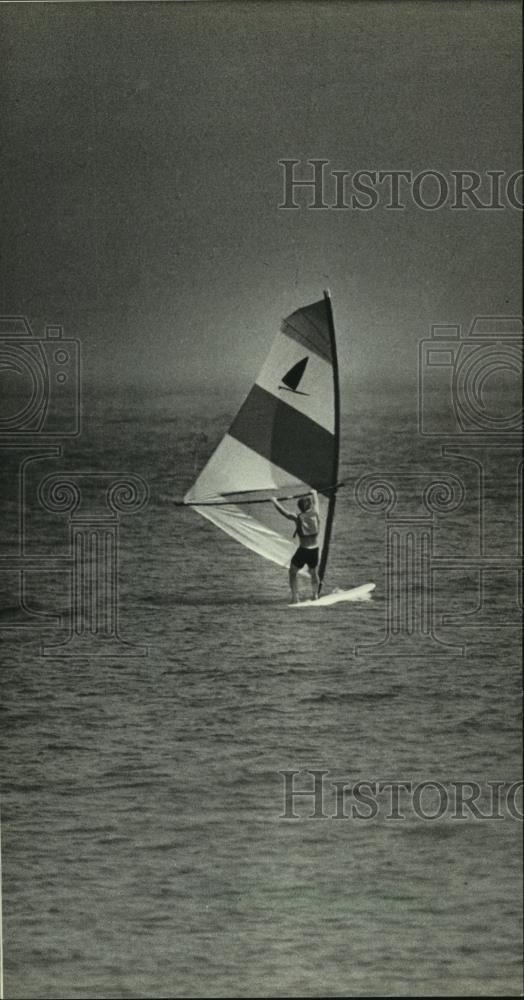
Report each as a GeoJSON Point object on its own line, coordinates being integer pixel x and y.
{"type": "Point", "coordinates": [362, 593]}
{"type": "Point", "coordinates": [283, 442]}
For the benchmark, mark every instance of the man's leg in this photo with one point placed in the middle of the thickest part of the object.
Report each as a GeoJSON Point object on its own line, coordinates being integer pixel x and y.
{"type": "Point", "coordinates": [315, 583]}
{"type": "Point", "coordinates": [293, 583]}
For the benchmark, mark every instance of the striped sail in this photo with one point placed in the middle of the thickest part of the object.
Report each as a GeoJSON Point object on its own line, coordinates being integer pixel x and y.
{"type": "Point", "coordinates": [283, 441]}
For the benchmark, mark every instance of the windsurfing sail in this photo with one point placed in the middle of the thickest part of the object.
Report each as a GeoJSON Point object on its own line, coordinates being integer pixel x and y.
{"type": "Point", "coordinates": [283, 442]}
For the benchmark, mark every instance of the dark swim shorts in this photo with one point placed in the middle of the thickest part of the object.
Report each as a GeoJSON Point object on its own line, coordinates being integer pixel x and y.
{"type": "Point", "coordinates": [305, 557]}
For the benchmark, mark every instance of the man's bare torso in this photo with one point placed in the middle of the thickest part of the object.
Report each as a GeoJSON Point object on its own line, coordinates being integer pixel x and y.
{"type": "Point", "coordinates": [308, 541]}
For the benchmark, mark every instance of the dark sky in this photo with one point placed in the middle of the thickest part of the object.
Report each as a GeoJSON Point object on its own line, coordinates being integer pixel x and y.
{"type": "Point", "coordinates": [140, 181]}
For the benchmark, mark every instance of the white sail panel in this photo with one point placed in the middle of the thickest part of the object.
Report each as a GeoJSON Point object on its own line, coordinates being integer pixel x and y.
{"type": "Point", "coordinates": [235, 468]}
{"type": "Point", "coordinates": [258, 527]}
{"type": "Point", "coordinates": [314, 394]}
{"type": "Point", "coordinates": [250, 531]}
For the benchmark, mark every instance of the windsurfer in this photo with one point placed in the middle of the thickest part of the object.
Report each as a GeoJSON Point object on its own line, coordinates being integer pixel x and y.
{"type": "Point", "coordinates": [307, 527]}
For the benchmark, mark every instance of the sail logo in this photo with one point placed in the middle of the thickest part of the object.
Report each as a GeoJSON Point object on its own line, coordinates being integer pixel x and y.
{"type": "Point", "coordinates": [292, 379]}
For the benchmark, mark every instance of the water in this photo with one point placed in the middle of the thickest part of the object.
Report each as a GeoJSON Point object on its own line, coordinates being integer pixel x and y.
{"type": "Point", "coordinates": [144, 854]}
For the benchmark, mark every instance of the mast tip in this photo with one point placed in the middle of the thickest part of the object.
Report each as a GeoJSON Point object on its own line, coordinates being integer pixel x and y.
{"type": "Point", "coordinates": [327, 293]}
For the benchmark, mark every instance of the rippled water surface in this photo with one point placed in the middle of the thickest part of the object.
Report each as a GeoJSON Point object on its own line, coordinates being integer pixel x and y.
{"type": "Point", "coordinates": [143, 849]}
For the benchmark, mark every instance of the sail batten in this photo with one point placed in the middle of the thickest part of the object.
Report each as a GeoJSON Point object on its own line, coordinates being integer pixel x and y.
{"type": "Point", "coordinates": [278, 445]}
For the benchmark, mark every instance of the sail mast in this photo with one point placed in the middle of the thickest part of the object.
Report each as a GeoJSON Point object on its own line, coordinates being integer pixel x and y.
{"type": "Point", "coordinates": [334, 479]}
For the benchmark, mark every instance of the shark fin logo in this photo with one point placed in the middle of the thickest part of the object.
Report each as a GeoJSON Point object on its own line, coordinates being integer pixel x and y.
{"type": "Point", "coordinates": [292, 379]}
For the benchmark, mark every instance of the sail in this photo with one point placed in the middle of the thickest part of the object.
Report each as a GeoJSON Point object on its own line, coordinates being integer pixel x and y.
{"type": "Point", "coordinates": [283, 441]}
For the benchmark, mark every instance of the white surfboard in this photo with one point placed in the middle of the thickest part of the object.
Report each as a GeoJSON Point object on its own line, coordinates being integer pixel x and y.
{"type": "Point", "coordinates": [362, 593]}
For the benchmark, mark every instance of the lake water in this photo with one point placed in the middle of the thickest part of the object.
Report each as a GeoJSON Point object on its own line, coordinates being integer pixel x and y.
{"type": "Point", "coordinates": [144, 852]}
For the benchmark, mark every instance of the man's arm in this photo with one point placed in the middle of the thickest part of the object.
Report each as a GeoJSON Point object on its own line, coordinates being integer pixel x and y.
{"type": "Point", "coordinates": [282, 510]}
{"type": "Point", "coordinates": [314, 497]}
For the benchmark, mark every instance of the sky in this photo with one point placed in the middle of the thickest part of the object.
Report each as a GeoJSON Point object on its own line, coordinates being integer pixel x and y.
{"type": "Point", "coordinates": [140, 181]}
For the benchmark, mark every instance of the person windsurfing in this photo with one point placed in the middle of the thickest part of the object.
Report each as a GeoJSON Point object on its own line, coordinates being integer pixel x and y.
{"type": "Point", "coordinates": [307, 527]}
